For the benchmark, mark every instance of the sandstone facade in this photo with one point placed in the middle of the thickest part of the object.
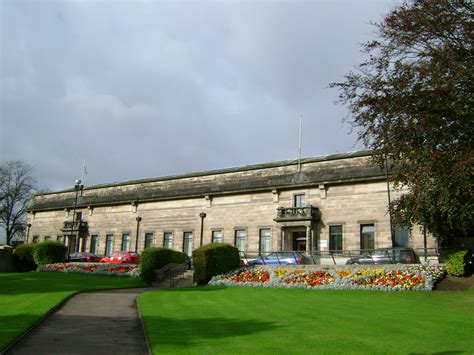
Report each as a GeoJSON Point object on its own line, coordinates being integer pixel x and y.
{"type": "Point", "coordinates": [333, 202]}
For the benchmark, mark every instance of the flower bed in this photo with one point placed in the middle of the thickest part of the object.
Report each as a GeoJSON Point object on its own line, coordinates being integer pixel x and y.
{"type": "Point", "coordinates": [93, 268]}
{"type": "Point", "coordinates": [405, 278]}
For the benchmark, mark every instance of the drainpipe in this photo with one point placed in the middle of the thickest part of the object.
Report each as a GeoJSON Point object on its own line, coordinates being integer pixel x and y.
{"type": "Point", "coordinates": [202, 215]}
{"type": "Point", "coordinates": [392, 235]}
{"type": "Point", "coordinates": [28, 232]}
{"type": "Point", "coordinates": [138, 219]}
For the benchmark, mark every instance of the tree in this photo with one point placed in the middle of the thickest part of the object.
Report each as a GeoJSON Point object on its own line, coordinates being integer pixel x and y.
{"type": "Point", "coordinates": [411, 101]}
{"type": "Point", "coordinates": [16, 188]}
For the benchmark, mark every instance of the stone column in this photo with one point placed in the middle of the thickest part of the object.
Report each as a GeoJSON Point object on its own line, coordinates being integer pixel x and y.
{"type": "Point", "coordinates": [308, 238]}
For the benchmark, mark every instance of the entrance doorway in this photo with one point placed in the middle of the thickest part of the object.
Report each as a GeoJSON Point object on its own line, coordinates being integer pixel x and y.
{"type": "Point", "coordinates": [298, 240]}
{"type": "Point", "coordinates": [294, 239]}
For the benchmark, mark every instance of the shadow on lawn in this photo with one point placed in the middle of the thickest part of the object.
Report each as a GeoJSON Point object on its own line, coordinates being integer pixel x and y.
{"type": "Point", "coordinates": [184, 333]}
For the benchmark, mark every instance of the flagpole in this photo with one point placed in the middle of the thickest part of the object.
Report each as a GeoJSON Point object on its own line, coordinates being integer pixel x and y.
{"type": "Point", "coordinates": [300, 140]}
{"type": "Point", "coordinates": [83, 170]}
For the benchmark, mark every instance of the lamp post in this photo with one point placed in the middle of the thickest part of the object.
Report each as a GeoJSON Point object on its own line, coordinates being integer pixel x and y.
{"type": "Point", "coordinates": [388, 198]}
{"type": "Point", "coordinates": [138, 219]}
{"type": "Point", "coordinates": [28, 232]}
{"type": "Point", "coordinates": [202, 215]}
{"type": "Point", "coordinates": [77, 187]}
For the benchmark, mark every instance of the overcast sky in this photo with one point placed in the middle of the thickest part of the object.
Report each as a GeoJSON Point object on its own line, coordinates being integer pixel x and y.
{"type": "Point", "coordinates": [152, 88]}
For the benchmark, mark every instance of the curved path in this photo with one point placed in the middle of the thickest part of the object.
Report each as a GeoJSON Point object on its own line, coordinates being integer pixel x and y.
{"type": "Point", "coordinates": [96, 322]}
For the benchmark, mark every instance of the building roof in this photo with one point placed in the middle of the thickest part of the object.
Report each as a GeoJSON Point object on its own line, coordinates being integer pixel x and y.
{"type": "Point", "coordinates": [330, 169]}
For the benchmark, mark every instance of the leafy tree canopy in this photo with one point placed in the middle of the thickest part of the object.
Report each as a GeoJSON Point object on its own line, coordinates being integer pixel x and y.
{"type": "Point", "coordinates": [411, 101]}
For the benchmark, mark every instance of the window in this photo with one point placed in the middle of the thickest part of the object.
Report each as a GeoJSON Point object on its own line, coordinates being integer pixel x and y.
{"type": "Point", "coordinates": [109, 244]}
{"type": "Point", "coordinates": [335, 238]}
{"type": "Point", "coordinates": [217, 236]}
{"type": "Point", "coordinates": [265, 244]}
{"type": "Point", "coordinates": [148, 240]}
{"type": "Point", "coordinates": [298, 200]}
{"type": "Point", "coordinates": [367, 241]}
{"type": "Point", "coordinates": [78, 216]}
{"type": "Point", "coordinates": [126, 241]}
{"type": "Point", "coordinates": [47, 237]}
{"type": "Point", "coordinates": [94, 244]}
{"type": "Point", "coordinates": [168, 240]}
{"type": "Point", "coordinates": [240, 235]}
{"type": "Point", "coordinates": [188, 243]}
{"type": "Point", "coordinates": [401, 237]}
{"type": "Point", "coordinates": [60, 239]}
{"type": "Point", "coordinates": [36, 238]}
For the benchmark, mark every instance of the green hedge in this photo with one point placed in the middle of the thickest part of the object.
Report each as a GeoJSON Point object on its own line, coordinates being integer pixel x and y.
{"type": "Point", "coordinates": [214, 259]}
{"type": "Point", "coordinates": [153, 259]}
{"type": "Point", "coordinates": [456, 262]}
{"type": "Point", "coordinates": [23, 257]}
{"type": "Point", "coordinates": [49, 252]}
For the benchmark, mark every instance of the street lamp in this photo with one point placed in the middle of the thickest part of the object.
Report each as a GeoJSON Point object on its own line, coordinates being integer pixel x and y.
{"type": "Point", "coordinates": [138, 219]}
{"type": "Point", "coordinates": [388, 198]}
{"type": "Point", "coordinates": [77, 187]}
{"type": "Point", "coordinates": [28, 232]}
{"type": "Point", "coordinates": [202, 215]}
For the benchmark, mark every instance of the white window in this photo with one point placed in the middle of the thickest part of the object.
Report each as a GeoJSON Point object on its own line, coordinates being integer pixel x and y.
{"type": "Point", "coordinates": [94, 244]}
{"type": "Point", "coordinates": [217, 236]}
{"type": "Point", "coordinates": [126, 241]}
{"type": "Point", "coordinates": [265, 241]}
{"type": "Point", "coordinates": [168, 240]}
{"type": "Point", "coordinates": [298, 200]}
{"type": "Point", "coordinates": [109, 244]}
{"type": "Point", "coordinates": [148, 240]}
{"type": "Point", "coordinates": [188, 243]}
{"type": "Point", "coordinates": [240, 236]}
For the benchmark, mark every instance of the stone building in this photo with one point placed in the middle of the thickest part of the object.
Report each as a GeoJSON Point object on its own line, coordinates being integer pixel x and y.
{"type": "Point", "coordinates": [336, 202]}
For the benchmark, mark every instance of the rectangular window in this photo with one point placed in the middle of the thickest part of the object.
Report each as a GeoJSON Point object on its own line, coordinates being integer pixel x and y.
{"type": "Point", "coordinates": [217, 236]}
{"type": "Point", "coordinates": [265, 245]}
{"type": "Point", "coordinates": [401, 237]}
{"type": "Point", "coordinates": [168, 240]}
{"type": "Point", "coordinates": [109, 244]}
{"type": "Point", "coordinates": [148, 240]}
{"type": "Point", "coordinates": [298, 200]}
{"type": "Point", "coordinates": [35, 239]}
{"type": "Point", "coordinates": [335, 238]}
{"type": "Point", "coordinates": [367, 238]}
{"type": "Point", "coordinates": [240, 236]}
{"type": "Point", "coordinates": [126, 241]}
{"type": "Point", "coordinates": [47, 237]}
{"type": "Point", "coordinates": [94, 244]}
{"type": "Point", "coordinates": [60, 239]}
{"type": "Point", "coordinates": [188, 243]}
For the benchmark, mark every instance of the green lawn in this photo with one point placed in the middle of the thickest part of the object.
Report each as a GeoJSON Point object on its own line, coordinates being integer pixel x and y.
{"type": "Point", "coordinates": [220, 320]}
{"type": "Point", "coordinates": [25, 297]}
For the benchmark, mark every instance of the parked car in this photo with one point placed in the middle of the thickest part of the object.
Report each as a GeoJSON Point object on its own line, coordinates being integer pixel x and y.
{"type": "Point", "coordinates": [83, 257]}
{"type": "Point", "coordinates": [122, 257]}
{"type": "Point", "coordinates": [386, 256]}
{"type": "Point", "coordinates": [281, 258]}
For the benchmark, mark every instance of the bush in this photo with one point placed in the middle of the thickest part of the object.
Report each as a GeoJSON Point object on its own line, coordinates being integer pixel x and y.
{"type": "Point", "coordinates": [49, 252]}
{"type": "Point", "coordinates": [153, 259]}
{"type": "Point", "coordinates": [23, 257]}
{"type": "Point", "coordinates": [456, 262]}
{"type": "Point", "coordinates": [214, 259]}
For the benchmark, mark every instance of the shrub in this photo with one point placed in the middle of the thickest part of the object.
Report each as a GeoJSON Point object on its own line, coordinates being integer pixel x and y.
{"type": "Point", "coordinates": [456, 262]}
{"type": "Point", "coordinates": [214, 259]}
{"type": "Point", "coordinates": [49, 252]}
{"type": "Point", "coordinates": [23, 257]}
{"type": "Point", "coordinates": [153, 259]}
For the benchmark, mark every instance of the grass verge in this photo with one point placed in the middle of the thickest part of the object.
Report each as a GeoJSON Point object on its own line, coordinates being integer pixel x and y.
{"type": "Point", "coordinates": [265, 320]}
{"type": "Point", "coordinates": [26, 297]}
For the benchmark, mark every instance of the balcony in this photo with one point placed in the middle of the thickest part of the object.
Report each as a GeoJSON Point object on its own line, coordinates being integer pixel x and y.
{"type": "Point", "coordinates": [308, 213]}
{"type": "Point", "coordinates": [74, 227]}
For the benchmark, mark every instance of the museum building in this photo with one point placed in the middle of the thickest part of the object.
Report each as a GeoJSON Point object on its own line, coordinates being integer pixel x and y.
{"type": "Point", "coordinates": [335, 202]}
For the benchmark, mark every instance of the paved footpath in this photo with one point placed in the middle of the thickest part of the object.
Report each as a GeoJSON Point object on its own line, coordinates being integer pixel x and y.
{"type": "Point", "coordinates": [101, 322]}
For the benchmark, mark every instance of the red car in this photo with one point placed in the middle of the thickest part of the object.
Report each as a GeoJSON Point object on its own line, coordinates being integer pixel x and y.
{"type": "Point", "coordinates": [122, 257]}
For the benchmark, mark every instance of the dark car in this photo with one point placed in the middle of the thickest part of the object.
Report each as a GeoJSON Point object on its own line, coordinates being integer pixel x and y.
{"type": "Point", "coordinates": [84, 257]}
{"type": "Point", "coordinates": [386, 256]}
{"type": "Point", "coordinates": [281, 258]}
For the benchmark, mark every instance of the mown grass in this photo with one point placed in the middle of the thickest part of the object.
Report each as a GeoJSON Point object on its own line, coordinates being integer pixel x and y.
{"type": "Point", "coordinates": [220, 320]}
{"type": "Point", "coordinates": [26, 297]}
